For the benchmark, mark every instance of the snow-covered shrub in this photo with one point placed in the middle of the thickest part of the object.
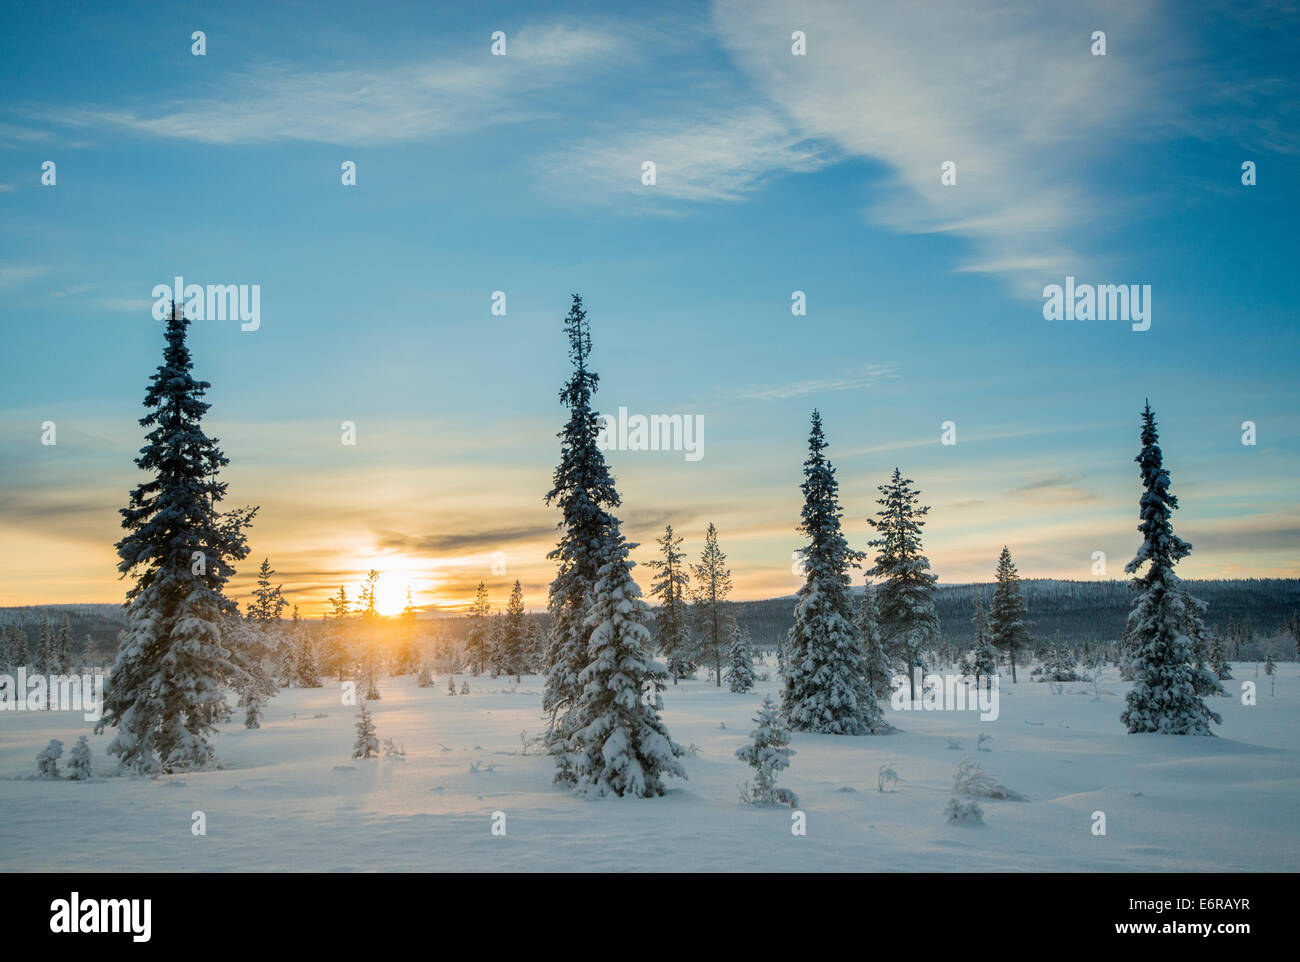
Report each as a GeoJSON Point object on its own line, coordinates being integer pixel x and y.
{"type": "Point", "coordinates": [464, 687]}
{"type": "Point", "coordinates": [47, 762]}
{"type": "Point", "coordinates": [970, 779]}
{"type": "Point", "coordinates": [451, 686]}
{"type": "Point", "coordinates": [79, 767]}
{"type": "Point", "coordinates": [425, 678]}
{"type": "Point", "coordinates": [768, 755]}
{"type": "Point", "coordinates": [393, 750]}
{"type": "Point", "coordinates": [1059, 665]}
{"type": "Point", "coordinates": [961, 811]}
{"type": "Point", "coordinates": [886, 776]}
{"type": "Point", "coordinates": [367, 745]}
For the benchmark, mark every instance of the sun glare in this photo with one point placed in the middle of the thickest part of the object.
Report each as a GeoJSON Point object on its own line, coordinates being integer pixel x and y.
{"type": "Point", "coordinates": [390, 594]}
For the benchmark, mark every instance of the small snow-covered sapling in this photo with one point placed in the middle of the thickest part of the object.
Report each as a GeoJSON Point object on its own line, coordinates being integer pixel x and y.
{"type": "Point", "coordinates": [47, 761]}
{"type": "Point", "coordinates": [79, 767]}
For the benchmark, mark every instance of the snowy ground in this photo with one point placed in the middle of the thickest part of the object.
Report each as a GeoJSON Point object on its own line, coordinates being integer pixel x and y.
{"type": "Point", "coordinates": [291, 798]}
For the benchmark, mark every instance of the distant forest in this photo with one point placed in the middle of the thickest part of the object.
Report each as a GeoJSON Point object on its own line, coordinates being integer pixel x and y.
{"type": "Point", "coordinates": [1082, 611]}
{"type": "Point", "coordinates": [1258, 610]}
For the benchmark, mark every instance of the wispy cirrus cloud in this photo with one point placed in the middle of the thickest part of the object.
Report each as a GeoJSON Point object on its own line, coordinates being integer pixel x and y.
{"type": "Point", "coordinates": [698, 157]}
{"type": "Point", "coordinates": [16, 275]}
{"type": "Point", "coordinates": [377, 105]}
{"type": "Point", "coordinates": [1009, 92]}
{"type": "Point", "coordinates": [868, 376]}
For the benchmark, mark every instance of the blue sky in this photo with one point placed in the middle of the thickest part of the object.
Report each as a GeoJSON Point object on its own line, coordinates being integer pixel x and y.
{"type": "Point", "coordinates": [775, 173]}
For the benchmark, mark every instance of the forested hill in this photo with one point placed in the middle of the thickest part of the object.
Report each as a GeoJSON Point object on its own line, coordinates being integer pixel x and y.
{"type": "Point", "coordinates": [1080, 610]}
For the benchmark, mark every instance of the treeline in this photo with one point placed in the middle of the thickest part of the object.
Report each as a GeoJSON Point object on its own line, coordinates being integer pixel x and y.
{"type": "Point", "coordinates": [93, 630]}
{"type": "Point", "coordinates": [1258, 611]}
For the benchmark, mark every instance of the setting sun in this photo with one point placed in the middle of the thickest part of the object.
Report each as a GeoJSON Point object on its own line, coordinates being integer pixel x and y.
{"type": "Point", "coordinates": [390, 593]}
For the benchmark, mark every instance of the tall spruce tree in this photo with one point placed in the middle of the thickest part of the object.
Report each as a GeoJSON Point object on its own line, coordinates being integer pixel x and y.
{"type": "Point", "coordinates": [826, 687]}
{"type": "Point", "coordinates": [584, 491]}
{"type": "Point", "coordinates": [340, 650]}
{"type": "Point", "coordinates": [1008, 629]}
{"type": "Point", "coordinates": [64, 648]}
{"type": "Point", "coordinates": [671, 586]}
{"type": "Point", "coordinates": [513, 635]}
{"type": "Point", "coordinates": [370, 625]}
{"type": "Point", "coordinates": [984, 658]}
{"type": "Point", "coordinates": [615, 741]}
{"type": "Point", "coordinates": [262, 655]}
{"type": "Point", "coordinates": [19, 656]}
{"type": "Point", "coordinates": [1164, 694]}
{"type": "Point", "coordinates": [166, 692]}
{"type": "Point", "coordinates": [406, 660]}
{"type": "Point", "coordinates": [905, 596]}
{"type": "Point", "coordinates": [478, 638]}
{"type": "Point", "coordinates": [712, 613]}
{"type": "Point", "coordinates": [47, 655]}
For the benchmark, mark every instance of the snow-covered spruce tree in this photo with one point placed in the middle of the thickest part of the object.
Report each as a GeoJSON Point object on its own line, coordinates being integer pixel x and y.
{"type": "Point", "coordinates": [768, 754]}
{"type": "Point", "coordinates": [875, 661]}
{"type": "Point", "coordinates": [534, 646]}
{"type": "Point", "coordinates": [1219, 659]}
{"type": "Point", "coordinates": [79, 765]}
{"type": "Point", "coordinates": [616, 743]}
{"type": "Point", "coordinates": [826, 688]}
{"type": "Point", "coordinates": [338, 650]}
{"type": "Point", "coordinates": [740, 676]}
{"type": "Point", "coordinates": [47, 760]}
{"type": "Point", "coordinates": [984, 657]}
{"type": "Point", "coordinates": [304, 664]}
{"type": "Point", "coordinates": [6, 649]}
{"type": "Point", "coordinates": [671, 587]}
{"type": "Point", "coordinates": [1059, 663]}
{"type": "Point", "coordinates": [496, 644]}
{"type": "Point", "coordinates": [479, 636]}
{"type": "Point", "coordinates": [1008, 629]}
{"type": "Point", "coordinates": [19, 656]}
{"type": "Point", "coordinates": [584, 491]}
{"type": "Point", "coordinates": [46, 649]}
{"type": "Point", "coordinates": [451, 686]}
{"type": "Point", "coordinates": [369, 630]}
{"type": "Point", "coordinates": [464, 687]}
{"type": "Point", "coordinates": [905, 596]}
{"type": "Point", "coordinates": [712, 614]}
{"type": "Point", "coordinates": [1163, 697]}
{"type": "Point", "coordinates": [514, 635]}
{"type": "Point", "coordinates": [165, 694]}
{"type": "Point", "coordinates": [259, 648]}
{"type": "Point", "coordinates": [64, 654]}
{"type": "Point", "coordinates": [406, 660]}
{"type": "Point", "coordinates": [367, 745]}
{"type": "Point", "coordinates": [253, 653]}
